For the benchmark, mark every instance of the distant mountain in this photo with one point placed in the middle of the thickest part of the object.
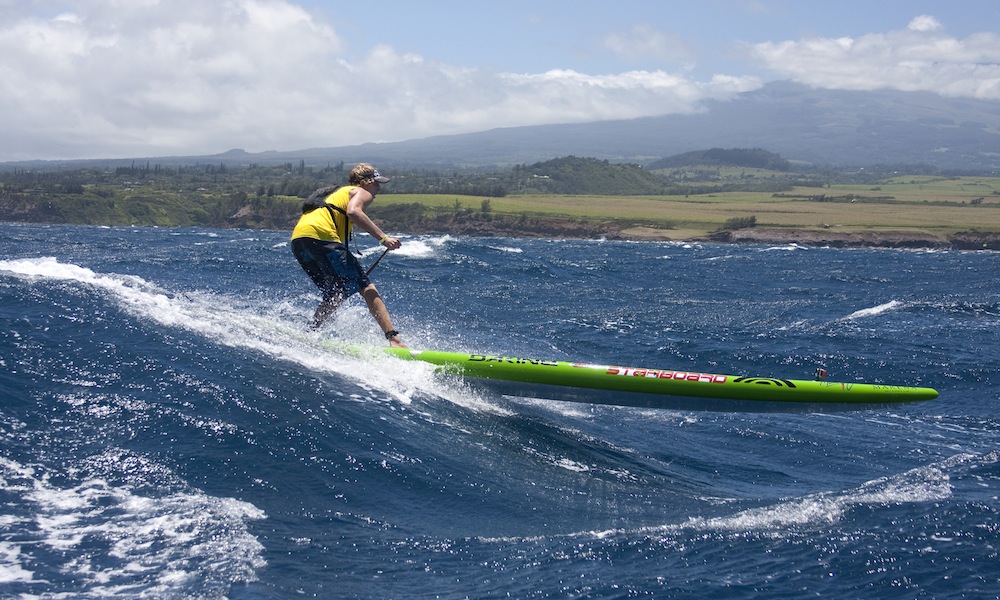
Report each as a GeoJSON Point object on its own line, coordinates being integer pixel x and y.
{"type": "Point", "coordinates": [823, 127]}
{"type": "Point", "coordinates": [820, 127]}
{"type": "Point", "coordinates": [756, 158]}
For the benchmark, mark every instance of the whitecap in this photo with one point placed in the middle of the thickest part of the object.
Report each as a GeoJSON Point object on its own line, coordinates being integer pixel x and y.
{"type": "Point", "coordinates": [113, 537]}
{"type": "Point", "coordinates": [873, 311]}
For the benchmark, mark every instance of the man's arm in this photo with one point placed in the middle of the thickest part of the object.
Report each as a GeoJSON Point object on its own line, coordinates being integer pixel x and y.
{"type": "Point", "coordinates": [359, 199]}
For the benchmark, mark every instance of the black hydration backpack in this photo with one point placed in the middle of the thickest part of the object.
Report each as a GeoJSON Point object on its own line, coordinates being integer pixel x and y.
{"type": "Point", "coordinates": [317, 199]}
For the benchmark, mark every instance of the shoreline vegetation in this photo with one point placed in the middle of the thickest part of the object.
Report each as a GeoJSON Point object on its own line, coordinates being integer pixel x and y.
{"type": "Point", "coordinates": [772, 203]}
{"type": "Point", "coordinates": [736, 219]}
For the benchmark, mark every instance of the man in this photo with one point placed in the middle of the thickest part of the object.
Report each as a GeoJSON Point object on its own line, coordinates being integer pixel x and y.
{"type": "Point", "coordinates": [320, 244]}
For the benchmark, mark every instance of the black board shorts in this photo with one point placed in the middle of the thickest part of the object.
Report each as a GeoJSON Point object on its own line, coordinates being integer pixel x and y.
{"type": "Point", "coordinates": [335, 271]}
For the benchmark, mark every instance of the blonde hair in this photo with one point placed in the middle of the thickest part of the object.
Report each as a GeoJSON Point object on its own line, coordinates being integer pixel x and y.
{"type": "Point", "coordinates": [363, 174]}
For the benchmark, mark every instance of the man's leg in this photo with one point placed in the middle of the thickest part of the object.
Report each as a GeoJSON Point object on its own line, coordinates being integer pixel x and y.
{"type": "Point", "coordinates": [325, 309]}
{"type": "Point", "coordinates": [378, 310]}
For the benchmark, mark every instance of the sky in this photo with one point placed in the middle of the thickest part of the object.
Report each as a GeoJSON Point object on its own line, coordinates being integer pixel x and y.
{"type": "Point", "coordinates": [144, 78]}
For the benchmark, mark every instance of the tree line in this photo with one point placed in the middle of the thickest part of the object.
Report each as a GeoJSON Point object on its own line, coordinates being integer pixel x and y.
{"type": "Point", "coordinates": [269, 196]}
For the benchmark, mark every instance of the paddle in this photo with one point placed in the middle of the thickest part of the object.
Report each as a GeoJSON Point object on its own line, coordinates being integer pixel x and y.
{"type": "Point", "coordinates": [375, 264]}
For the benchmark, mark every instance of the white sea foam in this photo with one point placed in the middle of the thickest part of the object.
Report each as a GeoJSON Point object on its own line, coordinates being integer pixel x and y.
{"type": "Point", "coordinates": [873, 311]}
{"type": "Point", "coordinates": [787, 248]}
{"type": "Point", "coordinates": [112, 540]}
{"type": "Point", "coordinates": [924, 484]}
{"type": "Point", "coordinates": [224, 321]}
{"type": "Point", "coordinates": [510, 249]}
{"type": "Point", "coordinates": [11, 570]}
{"type": "Point", "coordinates": [920, 485]}
{"type": "Point", "coordinates": [929, 483]}
{"type": "Point", "coordinates": [419, 247]}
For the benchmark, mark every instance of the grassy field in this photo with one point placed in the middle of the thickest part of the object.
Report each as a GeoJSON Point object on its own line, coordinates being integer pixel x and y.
{"type": "Point", "coordinates": [934, 205]}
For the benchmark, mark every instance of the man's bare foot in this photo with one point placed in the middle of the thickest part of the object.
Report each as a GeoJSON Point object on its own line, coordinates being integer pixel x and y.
{"type": "Point", "coordinates": [393, 337]}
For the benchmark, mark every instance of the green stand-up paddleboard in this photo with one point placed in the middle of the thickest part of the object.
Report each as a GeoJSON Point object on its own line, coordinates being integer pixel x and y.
{"type": "Point", "coordinates": [661, 388]}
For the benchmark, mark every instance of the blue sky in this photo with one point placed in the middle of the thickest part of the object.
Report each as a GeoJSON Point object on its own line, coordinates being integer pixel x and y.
{"type": "Point", "coordinates": [126, 78]}
{"type": "Point", "coordinates": [531, 37]}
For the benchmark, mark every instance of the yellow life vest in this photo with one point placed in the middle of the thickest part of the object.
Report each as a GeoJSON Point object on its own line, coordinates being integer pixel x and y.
{"type": "Point", "coordinates": [331, 224]}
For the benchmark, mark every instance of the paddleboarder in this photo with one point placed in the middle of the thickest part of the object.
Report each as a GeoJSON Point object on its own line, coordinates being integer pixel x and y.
{"type": "Point", "coordinates": [320, 244]}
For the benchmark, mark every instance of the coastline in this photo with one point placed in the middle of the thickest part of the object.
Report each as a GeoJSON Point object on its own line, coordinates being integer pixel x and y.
{"type": "Point", "coordinates": [573, 229]}
{"type": "Point", "coordinates": [557, 228]}
{"type": "Point", "coordinates": [963, 240]}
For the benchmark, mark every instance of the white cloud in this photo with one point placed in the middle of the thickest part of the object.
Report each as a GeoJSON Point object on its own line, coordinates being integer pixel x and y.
{"type": "Point", "coordinates": [119, 78]}
{"type": "Point", "coordinates": [151, 77]}
{"type": "Point", "coordinates": [920, 58]}
{"type": "Point", "coordinates": [127, 77]}
{"type": "Point", "coordinates": [924, 23]}
{"type": "Point", "coordinates": [645, 43]}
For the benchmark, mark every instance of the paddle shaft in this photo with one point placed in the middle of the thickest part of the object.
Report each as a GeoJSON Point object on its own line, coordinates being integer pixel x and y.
{"type": "Point", "coordinates": [375, 264]}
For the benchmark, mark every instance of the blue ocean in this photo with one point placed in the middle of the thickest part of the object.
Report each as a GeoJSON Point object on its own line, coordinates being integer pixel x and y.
{"type": "Point", "coordinates": [170, 428]}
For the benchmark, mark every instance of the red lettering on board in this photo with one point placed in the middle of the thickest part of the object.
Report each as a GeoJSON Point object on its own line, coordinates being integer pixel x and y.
{"type": "Point", "coordinates": [656, 374]}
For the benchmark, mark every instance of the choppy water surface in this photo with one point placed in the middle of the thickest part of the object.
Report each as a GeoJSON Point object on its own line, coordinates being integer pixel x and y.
{"type": "Point", "coordinates": [170, 429]}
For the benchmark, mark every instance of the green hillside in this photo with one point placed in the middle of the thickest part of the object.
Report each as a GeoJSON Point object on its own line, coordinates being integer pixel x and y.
{"type": "Point", "coordinates": [565, 197]}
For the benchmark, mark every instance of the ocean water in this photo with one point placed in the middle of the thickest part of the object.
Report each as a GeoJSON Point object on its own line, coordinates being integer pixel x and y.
{"type": "Point", "coordinates": [170, 429]}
